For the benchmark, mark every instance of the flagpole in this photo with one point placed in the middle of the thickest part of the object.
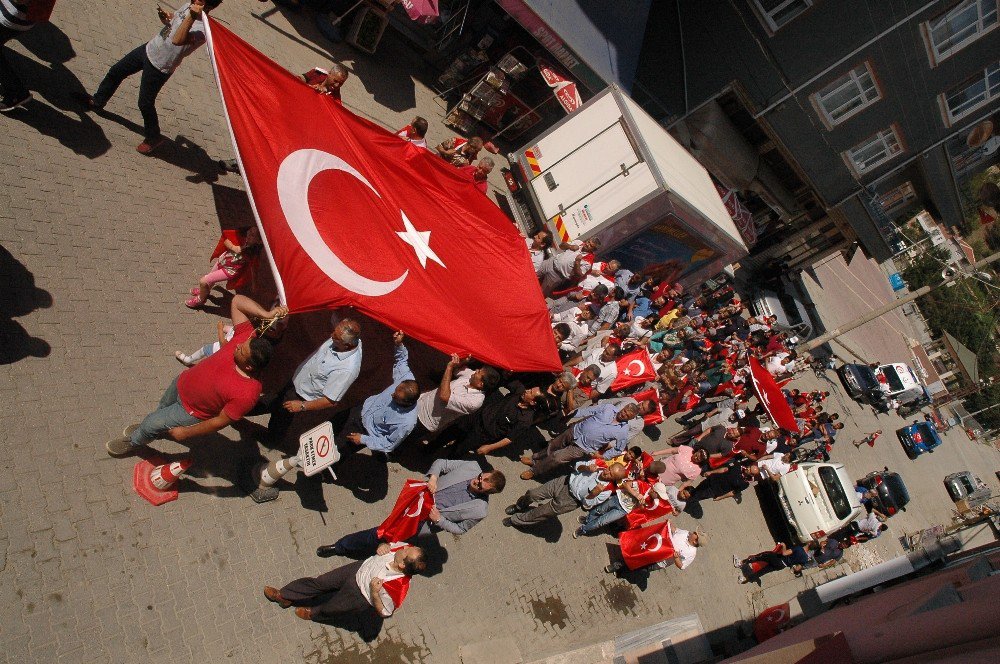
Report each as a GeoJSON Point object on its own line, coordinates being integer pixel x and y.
{"type": "Point", "coordinates": [239, 159]}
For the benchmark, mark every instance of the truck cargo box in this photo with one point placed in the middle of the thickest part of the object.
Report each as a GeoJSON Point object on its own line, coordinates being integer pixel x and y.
{"type": "Point", "coordinates": [610, 171]}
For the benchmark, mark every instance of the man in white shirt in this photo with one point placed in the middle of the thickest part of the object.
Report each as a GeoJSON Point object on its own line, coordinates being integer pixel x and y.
{"type": "Point", "coordinates": [319, 383]}
{"type": "Point", "coordinates": [458, 394]}
{"type": "Point", "coordinates": [415, 132]}
{"type": "Point", "coordinates": [586, 486]}
{"type": "Point", "coordinates": [378, 584]}
{"type": "Point", "coordinates": [183, 32]}
{"type": "Point", "coordinates": [606, 360]}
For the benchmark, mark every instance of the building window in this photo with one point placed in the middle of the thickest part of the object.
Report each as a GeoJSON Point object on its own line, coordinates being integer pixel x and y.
{"type": "Point", "coordinates": [875, 151]}
{"type": "Point", "coordinates": [777, 13]}
{"type": "Point", "coordinates": [897, 196]}
{"type": "Point", "coordinates": [958, 27]}
{"type": "Point", "coordinates": [848, 95]}
{"type": "Point", "coordinates": [972, 94]}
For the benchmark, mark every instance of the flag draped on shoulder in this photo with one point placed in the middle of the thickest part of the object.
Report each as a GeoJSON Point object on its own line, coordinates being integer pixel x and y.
{"type": "Point", "coordinates": [646, 546]}
{"type": "Point", "coordinates": [353, 215]}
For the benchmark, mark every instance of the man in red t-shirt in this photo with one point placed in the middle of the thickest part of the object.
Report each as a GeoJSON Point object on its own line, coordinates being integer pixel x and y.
{"type": "Point", "coordinates": [212, 394]}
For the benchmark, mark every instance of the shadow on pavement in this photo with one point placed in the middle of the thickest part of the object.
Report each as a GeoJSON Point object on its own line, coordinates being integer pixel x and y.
{"type": "Point", "coordinates": [19, 297]}
{"type": "Point", "coordinates": [56, 84]}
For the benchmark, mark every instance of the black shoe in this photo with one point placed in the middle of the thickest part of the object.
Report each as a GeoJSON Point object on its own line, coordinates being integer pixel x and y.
{"type": "Point", "coordinates": [738, 497]}
{"type": "Point", "coordinates": [10, 103]}
{"type": "Point", "coordinates": [520, 506]}
{"type": "Point", "coordinates": [507, 522]}
{"type": "Point", "coordinates": [327, 551]}
{"type": "Point", "coordinates": [88, 102]}
{"type": "Point", "coordinates": [612, 568]}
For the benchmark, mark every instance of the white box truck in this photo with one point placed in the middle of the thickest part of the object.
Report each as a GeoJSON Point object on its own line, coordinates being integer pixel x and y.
{"type": "Point", "coordinates": [610, 171]}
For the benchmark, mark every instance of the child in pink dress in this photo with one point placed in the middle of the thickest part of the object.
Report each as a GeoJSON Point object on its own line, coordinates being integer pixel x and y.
{"type": "Point", "coordinates": [232, 262]}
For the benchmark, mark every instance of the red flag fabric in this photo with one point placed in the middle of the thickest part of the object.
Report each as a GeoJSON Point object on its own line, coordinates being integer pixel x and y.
{"type": "Point", "coordinates": [646, 546]}
{"type": "Point", "coordinates": [353, 215]}
{"type": "Point", "coordinates": [769, 394]}
{"type": "Point", "coordinates": [656, 417]}
{"type": "Point", "coordinates": [412, 506]}
{"type": "Point", "coordinates": [634, 368]}
{"type": "Point", "coordinates": [654, 509]}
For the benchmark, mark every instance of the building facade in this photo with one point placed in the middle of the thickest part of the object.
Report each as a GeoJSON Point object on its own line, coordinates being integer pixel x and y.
{"type": "Point", "coordinates": [829, 118]}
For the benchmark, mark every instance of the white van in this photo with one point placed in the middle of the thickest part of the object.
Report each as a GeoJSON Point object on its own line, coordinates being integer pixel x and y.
{"type": "Point", "coordinates": [782, 300]}
{"type": "Point", "coordinates": [818, 499]}
{"type": "Point", "coordinates": [895, 379]}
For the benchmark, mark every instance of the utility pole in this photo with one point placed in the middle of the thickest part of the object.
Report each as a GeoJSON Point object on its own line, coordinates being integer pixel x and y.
{"type": "Point", "coordinates": [881, 311]}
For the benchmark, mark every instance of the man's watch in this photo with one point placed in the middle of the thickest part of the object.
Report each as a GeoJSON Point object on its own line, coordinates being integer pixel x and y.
{"type": "Point", "coordinates": [303, 408]}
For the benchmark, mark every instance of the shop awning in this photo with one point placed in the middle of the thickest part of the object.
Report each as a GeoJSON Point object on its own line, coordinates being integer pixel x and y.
{"type": "Point", "coordinates": [596, 40]}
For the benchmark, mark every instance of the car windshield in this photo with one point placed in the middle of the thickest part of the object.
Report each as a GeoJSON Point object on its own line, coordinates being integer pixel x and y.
{"type": "Point", "coordinates": [897, 490]}
{"type": "Point", "coordinates": [835, 492]}
{"type": "Point", "coordinates": [966, 484]}
{"type": "Point", "coordinates": [865, 376]}
{"type": "Point", "coordinates": [925, 433]}
{"type": "Point", "coordinates": [892, 378]}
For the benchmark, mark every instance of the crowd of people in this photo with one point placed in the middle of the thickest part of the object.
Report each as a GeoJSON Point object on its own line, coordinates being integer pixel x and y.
{"type": "Point", "coordinates": [574, 431]}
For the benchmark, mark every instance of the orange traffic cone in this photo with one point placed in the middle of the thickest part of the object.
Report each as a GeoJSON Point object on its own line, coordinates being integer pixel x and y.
{"type": "Point", "coordinates": [266, 475]}
{"type": "Point", "coordinates": [155, 481]}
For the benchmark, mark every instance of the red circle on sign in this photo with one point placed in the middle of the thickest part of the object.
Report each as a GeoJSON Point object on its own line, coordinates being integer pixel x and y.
{"type": "Point", "coordinates": [322, 446]}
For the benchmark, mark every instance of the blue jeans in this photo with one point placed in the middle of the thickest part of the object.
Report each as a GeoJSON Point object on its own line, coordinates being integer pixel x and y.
{"type": "Point", "coordinates": [168, 414]}
{"type": "Point", "coordinates": [607, 512]}
{"type": "Point", "coordinates": [152, 80]}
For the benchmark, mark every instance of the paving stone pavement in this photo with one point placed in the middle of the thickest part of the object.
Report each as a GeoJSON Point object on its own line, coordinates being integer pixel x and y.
{"type": "Point", "coordinates": [100, 245]}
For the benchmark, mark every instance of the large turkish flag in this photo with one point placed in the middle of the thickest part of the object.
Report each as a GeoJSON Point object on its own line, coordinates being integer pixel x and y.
{"type": "Point", "coordinates": [645, 546]}
{"type": "Point", "coordinates": [353, 215]}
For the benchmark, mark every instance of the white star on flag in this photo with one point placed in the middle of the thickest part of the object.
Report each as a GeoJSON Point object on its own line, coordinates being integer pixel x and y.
{"type": "Point", "coordinates": [420, 241]}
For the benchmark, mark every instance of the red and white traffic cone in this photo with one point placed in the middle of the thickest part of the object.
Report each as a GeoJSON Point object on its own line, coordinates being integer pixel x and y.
{"type": "Point", "coordinates": [267, 475]}
{"type": "Point", "coordinates": [155, 481]}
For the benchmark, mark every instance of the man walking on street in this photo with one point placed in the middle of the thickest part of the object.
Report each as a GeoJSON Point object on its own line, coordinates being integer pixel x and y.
{"type": "Point", "coordinates": [461, 491]}
{"type": "Point", "coordinates": [377, 584]}
{"type": "Point", "coordinates": [587, 486]}
{"type": "Point", "coordinates": [183, 32]}
{"type": "Point", "coordinates": [212, 394]}
{"type": "Point", "coordinates": [319, 383]}
{"type": "Point", "coordinates": [16, 18]}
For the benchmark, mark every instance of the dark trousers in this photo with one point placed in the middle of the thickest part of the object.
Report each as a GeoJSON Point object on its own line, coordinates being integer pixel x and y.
{"type": "Point", "coordinates": [281, 419]}
{"type": "Point", "coordinates": [772, 562]}
{"type": "Point", "coordinates": [361, 544]}
{"type": "Point", "coordinates": [11, 85]}
{"type": "Point", "coordinates": [331, 595]}
{"type": "Point", "coordinates": [149, 86]}
{"type": "Point", "coordinates": [560, 452]}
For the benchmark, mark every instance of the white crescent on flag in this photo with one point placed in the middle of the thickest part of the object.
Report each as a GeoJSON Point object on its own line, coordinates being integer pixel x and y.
{"type": "Point", "coordinates": [659, 542]}
{"type": "Point", "coordinates": [416, 510]}
{"type": "Point", "coordinates": [295, 174]}
{"type": "Point", "coordinates": [628, 368]}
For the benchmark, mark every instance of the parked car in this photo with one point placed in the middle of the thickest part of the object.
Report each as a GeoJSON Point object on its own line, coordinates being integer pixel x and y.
{"type": "Point", "coordinates": [861, 384]}
{"type": "Point", "coordinates": [891, 494]}
{"type": "Point", "coordinates": [781, 298]}
{"type": "Point", "coordinates": [885, 387]}
{"type": "Point", "coordinates": [918, 438]}
{"type": "Point", "coordinates": [818, 498]}
{"type": "Point", "coordinates": [966, 486]}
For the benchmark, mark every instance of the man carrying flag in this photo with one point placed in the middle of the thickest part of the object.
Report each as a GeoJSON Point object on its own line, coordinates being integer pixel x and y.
{"type": "Point", "coordinates": [657, 545]}
{"type": "Point", "coordinates": [379, 583]}
{"type": "Point", "coordinates": [454, 498]}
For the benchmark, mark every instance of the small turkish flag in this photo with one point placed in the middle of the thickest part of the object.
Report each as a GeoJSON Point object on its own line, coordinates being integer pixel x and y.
{"type": "Point", "coordinates": [646, 546]}
{"type": "Point", "coordinates": [654, 508]}
{"type": "Point", "coordinates": [634, 368]}
{"type": "Point", "coordinates": [353, 215]}
{"type": "Point", "coordinates": [414, 503]}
